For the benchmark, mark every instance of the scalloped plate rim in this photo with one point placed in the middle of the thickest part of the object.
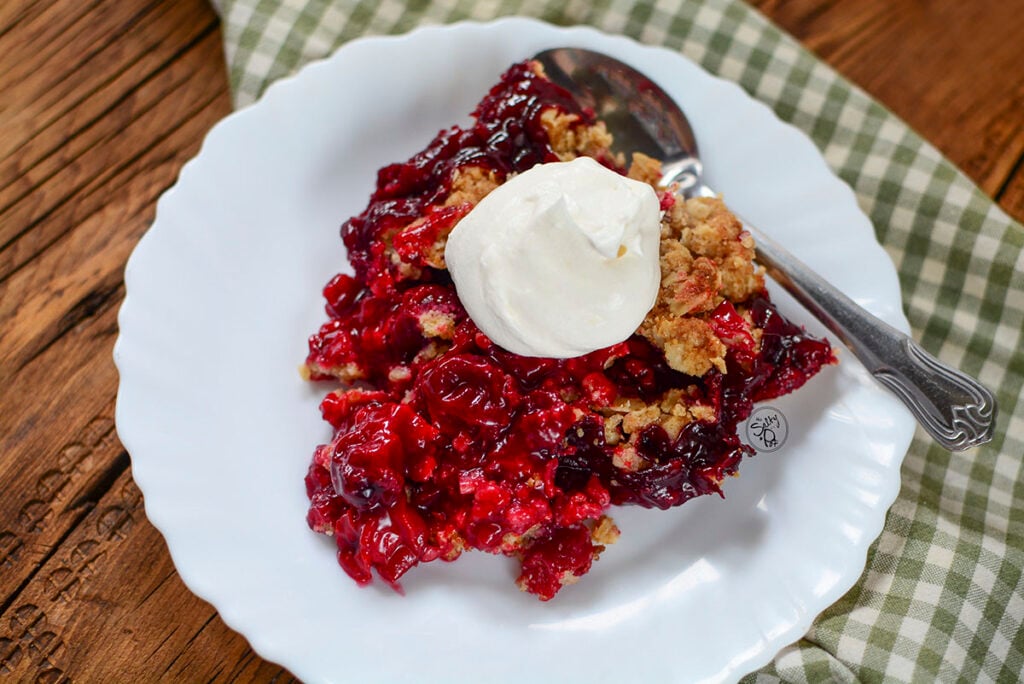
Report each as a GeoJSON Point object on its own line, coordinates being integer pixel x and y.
{"type": "Point", "coordinates": [278, 93]}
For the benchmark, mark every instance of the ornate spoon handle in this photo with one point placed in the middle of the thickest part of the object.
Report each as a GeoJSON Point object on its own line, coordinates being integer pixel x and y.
{"type": "Point", "coordinates": [951, 406]}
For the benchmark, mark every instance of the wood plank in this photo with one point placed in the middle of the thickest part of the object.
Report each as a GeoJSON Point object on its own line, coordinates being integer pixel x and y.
{"type": "Point", "coordinates": [19, 14]}
{"type": "Point", "coordinates": [110, 607]}
{"type": "Point", "coordinates": [1011, 196]}
{"type": "Point", "coordinates": [926, 63]}
{"type": "Point", "coordinates": [89, 117]}
{"type": "Point", "coordinates": [78, 189]}
{"type": "Point", "coordinates": [41, 300]}
{"type": "Point", "coordinates": [63, 609]}
{"type": "Point", "coordinates": [60, 315]}
{"type": "Point", "coordinates": [51, 59]}
{"type": "Point", "coordinates": [44, 29]}
{"type": "Point", "coordinates": [118, 67]}
{"type": "Point", "coordinates": [66, 439]}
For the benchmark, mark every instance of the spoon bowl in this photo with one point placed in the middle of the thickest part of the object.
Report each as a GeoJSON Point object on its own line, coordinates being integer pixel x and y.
{"type": "Point", "coordinates": [641, 116]}
{"type": "Point", "coordinates": [955, 409]}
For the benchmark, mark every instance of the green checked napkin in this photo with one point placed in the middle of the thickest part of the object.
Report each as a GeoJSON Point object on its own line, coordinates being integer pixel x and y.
{"type": "Point", "coordinates": [942, 597]}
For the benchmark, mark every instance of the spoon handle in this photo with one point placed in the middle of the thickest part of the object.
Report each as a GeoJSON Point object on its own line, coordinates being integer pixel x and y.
{"type": "Point", "coordinates": [955, 409]}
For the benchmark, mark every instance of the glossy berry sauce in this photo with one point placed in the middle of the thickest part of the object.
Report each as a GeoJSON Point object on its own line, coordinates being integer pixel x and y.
{"type": "Point", "coordinates": [447, 442]}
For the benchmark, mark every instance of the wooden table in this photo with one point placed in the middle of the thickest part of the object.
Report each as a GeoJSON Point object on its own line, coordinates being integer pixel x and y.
{"type": "Point", "coordinates": [100, 105]}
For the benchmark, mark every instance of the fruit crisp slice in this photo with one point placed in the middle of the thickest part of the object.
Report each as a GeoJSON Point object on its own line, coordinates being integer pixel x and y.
{"type": "Point", "coordinates": [444, 442]}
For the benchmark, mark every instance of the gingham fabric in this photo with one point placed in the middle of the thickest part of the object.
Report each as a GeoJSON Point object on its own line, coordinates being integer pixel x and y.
{"type": "Point", "coordinates": [942, 598]}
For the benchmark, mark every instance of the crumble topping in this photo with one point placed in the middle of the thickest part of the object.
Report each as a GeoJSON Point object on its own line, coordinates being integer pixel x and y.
{"type": "Point", "coordinates": [439, 324]}
{"type": "Point", "coordinates": [645, 169]}
{"type": "Point", "coordinates": [571, 138]}
{"type": "Point", "coordinates": [706, 258]}
{"type": "Point", "coordinates": [470, 184]}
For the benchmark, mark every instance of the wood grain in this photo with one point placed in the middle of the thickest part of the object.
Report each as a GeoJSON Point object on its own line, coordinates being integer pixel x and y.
{"type": "Point", "coordinates": [106, 101]}
{"type": "Point", "coordinates": [953, 70]}
{"type": "Point", "coordinates": [101, 103]}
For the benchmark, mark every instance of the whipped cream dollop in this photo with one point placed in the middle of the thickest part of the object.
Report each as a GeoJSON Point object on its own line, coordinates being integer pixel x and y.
{"type": "Point", "coordinates": [560, 260]}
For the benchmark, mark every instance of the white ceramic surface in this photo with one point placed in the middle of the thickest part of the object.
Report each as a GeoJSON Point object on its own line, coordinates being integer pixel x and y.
{"type": "Point", "coordinates": [224, 288]}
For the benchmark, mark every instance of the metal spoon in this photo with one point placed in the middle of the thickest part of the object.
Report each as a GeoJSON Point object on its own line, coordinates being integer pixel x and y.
{"type": "Point", "coordinates": [953, 408]}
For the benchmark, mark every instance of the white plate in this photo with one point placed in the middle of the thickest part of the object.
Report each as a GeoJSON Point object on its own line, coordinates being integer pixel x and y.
{"type": "Point", "coordinates": [224, 289]}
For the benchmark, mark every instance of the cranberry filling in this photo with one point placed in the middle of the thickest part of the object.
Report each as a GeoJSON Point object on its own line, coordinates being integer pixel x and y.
{"type": "Point", "coordinates": [460, 444]}
{"type": "Point", "coordinates": [507, 137]}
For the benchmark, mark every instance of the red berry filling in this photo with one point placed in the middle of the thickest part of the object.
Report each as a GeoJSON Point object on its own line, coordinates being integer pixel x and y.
{"type": "Point", "coordinates": [450, 442]}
